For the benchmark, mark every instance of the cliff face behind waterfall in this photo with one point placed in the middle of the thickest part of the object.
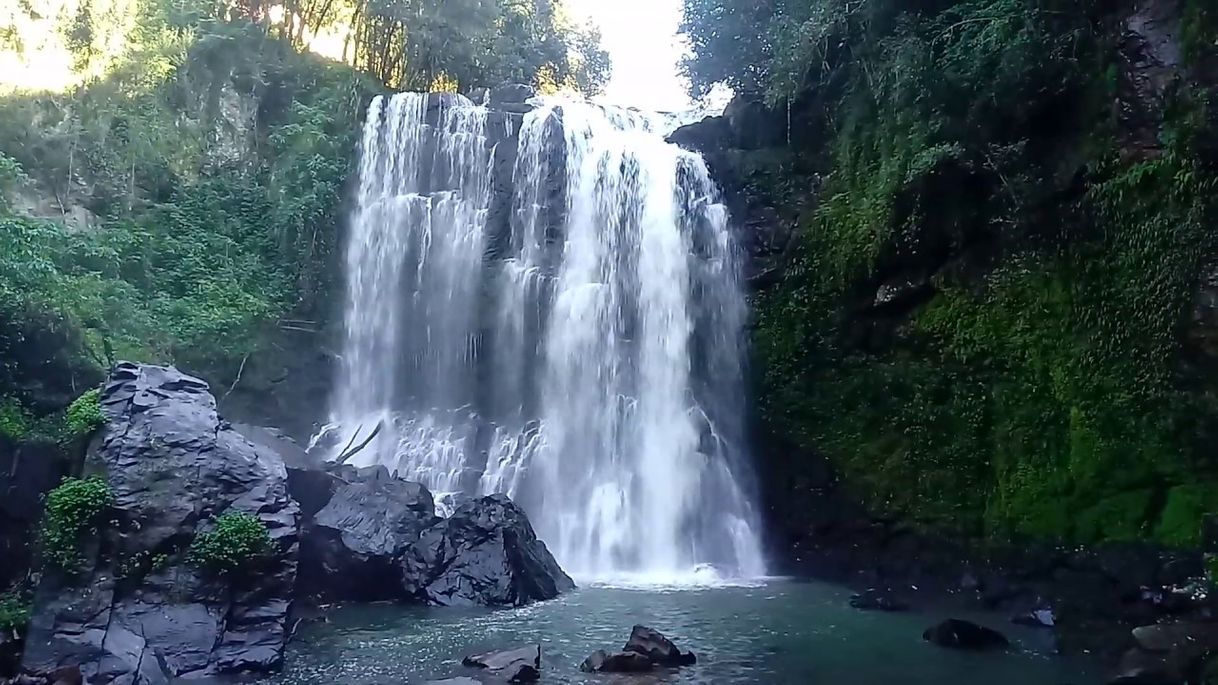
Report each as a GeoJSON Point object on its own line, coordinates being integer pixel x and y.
{"type": "Point", "coordinates": [984, 242]}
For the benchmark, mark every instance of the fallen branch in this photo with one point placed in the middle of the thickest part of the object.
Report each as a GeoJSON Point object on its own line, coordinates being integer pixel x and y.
{"type": "Point", "coordinates": [240, 370]}
{"type": "Point", "coordinates": [342, 459]}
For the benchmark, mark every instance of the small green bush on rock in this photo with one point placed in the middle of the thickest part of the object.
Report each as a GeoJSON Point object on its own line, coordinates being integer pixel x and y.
{"type": "Point", "coordinates": [71, 509]}
{"type": "Point", "coordinates": [237, 539]}
{"type": "Point", "coordinates": [84, 414]}
{"type": "Point", "coordinates": [14, 613]}
{"type": "Point", "coordinates": [14, 421]}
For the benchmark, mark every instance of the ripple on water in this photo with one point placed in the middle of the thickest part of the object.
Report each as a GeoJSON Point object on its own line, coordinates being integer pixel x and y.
{"type": "Point", "coordinates": [772, 632]}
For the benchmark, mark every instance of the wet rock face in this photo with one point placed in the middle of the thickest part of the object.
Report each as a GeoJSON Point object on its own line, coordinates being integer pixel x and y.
{"type": "Point", "coordinates": [522, 665]}
{"type": "Point", "coordinates": [27, 472]}
{"type": "Point", "coordinates": [173, 466]}
{"type": "Point", "coordinates": [353, 544]}
{"type": "Point", "coordinates": [1150, 55]}
{"type": "Point", "coordinates": [486, 553]}
{"type": "Point", "coordinates": [376, 537]}
{"type": "Point", "coordinates": [955, 633]}
{"type": "Point", "coordinates": [645, 650]}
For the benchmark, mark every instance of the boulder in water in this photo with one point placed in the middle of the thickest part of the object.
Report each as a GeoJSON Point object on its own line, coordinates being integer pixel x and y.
{"type": "Point", "coordinates": [657, 648]}
{"type": "Point", "coordinates": [485, 553]}
{"type": "Point", "coordinates": [522, 665]}
{"type": "Point", "coordinates": [960, 634]}
{"type": "Point", "coordinates": [601, 661]}
{"type": "Point", "coordinates": [877, 600]}
{"type": "Point", "coordinates": [172, 466]}
{"type": "Point", "coordinates": [352, 547]}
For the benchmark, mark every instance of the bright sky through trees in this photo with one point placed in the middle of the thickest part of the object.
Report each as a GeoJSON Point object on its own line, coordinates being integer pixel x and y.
{"type": "Point", "coordinates": [641, 37]}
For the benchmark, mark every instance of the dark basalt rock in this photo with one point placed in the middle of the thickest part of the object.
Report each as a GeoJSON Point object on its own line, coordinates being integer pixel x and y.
{"type": "Point", "coordinates": [485, 553]}
{"type": "Point", "coordinates": [511, 94]}
{"type": "Point", "coordinates": [1139, 667]}
{"type": "Point", "coordinates": [1037, 618]}
{"type": "Point", "coordinates": [173, 465]}
{"type": "Point", "coordinates": [1169, 637]}
{"type": "Point", "coordinates": [959, 634]}
{"type": "Point", "coordinates": [877, 600]}
{"type": "Point", "coordinates": [352, 547]}
{"type": "Point", "coordinates": [522, 665]}
{"type": "Point", "coordinates": [601, 661]}
{"type": "Point", "coordinates": [28, 470]}
{"type": "Point", "coordinates": [657, 648]}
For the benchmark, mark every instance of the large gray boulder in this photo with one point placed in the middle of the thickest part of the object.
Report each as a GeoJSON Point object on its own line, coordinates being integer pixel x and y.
{"type": "Point", "coordinates": [353, 545]}
{"type": "Point", "coordinates": [370, 536]}
{"type": "Point", "coordinates": [486, 553]}
{"type": "Point", "coordinates": [138, 612]}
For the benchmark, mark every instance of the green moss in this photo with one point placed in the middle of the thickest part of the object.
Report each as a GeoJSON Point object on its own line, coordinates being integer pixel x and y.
{"type": "Point", "coordinates": [1041, 391]}
{"type": "Point", "coordinates": [84, 415]}
{"type": "Point", "coordinates": [14, 420]}
{"type": "Point", "coordinates": [1120, 517]}
{"type": "Point", "coordinates": [14, 613]}
{"type": "Point", "coordinates": [72, 510]}
{"type": "Point", "coordinates": [236, 540]}
{"type": "Point", "coordinates": [1186, 507]}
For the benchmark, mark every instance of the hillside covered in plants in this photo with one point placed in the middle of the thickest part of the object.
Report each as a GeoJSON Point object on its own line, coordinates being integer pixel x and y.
{"type": "Point", "coordinates": [173, 175]}
{"type": "Point", "coordinates": [989, 226]}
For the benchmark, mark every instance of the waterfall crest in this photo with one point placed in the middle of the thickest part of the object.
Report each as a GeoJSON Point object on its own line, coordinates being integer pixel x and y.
{"type": "Point", "coordinates": [549, 306]}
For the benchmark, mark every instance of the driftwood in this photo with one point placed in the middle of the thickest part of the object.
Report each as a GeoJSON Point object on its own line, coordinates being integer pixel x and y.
{"type": "Point", "coordinates": [348, 452]}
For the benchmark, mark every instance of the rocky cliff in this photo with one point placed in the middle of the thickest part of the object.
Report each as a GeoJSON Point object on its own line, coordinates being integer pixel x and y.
{"type": "Point", "coordinates": [983, 271]}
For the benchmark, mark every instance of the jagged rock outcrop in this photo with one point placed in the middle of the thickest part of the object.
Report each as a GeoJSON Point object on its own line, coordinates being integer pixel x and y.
{"type": "Point", "coordinates": [172, 466]}
{"type": "Point", "coordinates": [485, 553]}
{"type": "Point", "coordinates": [353, 545]}
{"type": "Point", "coordinates": [521, 665]}
{"type": "Point", "coordinates": [741, 148]}
{"type": "Point", "coordinates": [646, 649]}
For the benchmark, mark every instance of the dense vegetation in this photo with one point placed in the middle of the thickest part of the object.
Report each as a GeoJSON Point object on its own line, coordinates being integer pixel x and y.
{"type": "Point", "coordinates": [72, 509]}
{"type": "Point", "coordinates": [236, 540]}
{"type": "Point", "coordinates": [989, 324]}
{"type": "Point", "coordinates": [180, 199]}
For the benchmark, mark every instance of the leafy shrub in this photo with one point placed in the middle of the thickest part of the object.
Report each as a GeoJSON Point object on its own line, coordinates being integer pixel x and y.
{"type": "Point", "coordinates": [71, 509]}
{"type": "Point", "coordinates": [236, 540]}
{"type": "Point", "coordinates": [14, 613]}
{"type": "Point", "coordinates": [14, 421]}
{"type": "Point", "coordinates": [84, 414]}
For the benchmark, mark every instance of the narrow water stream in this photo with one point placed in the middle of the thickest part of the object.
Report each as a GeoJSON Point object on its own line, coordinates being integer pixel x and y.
{"type": "Point", "coordinates": [775, 632]}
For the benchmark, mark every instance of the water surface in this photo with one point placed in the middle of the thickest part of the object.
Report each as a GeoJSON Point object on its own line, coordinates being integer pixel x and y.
{"type": "Point", "coordinates": [774, 632]}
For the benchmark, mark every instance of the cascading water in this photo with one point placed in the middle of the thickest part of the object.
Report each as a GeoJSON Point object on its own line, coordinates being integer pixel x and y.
{"type": "Point", "coordinates": [550, 308]}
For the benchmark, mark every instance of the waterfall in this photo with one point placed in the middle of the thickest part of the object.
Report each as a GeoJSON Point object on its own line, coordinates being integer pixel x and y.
{"type": "Point", "coordinates": [549, 306]}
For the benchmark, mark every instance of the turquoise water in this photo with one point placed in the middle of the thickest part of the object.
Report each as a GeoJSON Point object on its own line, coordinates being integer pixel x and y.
{"type": "Point", "coordinates": [774, 632]}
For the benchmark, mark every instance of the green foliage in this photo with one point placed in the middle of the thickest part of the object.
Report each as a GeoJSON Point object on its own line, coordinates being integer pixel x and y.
{"type": "Point", "coordinates": [1183, 513]}
{"type": "Point", "coordinates": [1035, 386]}
{"type": "Point", "coordinates": [72, 509]}
{"type": "Point", "coordinates": [204, 229]}
{"type": "Point", "coordinates": [14, 419]}
{"type": "Point", "coordinates": [84, 415]}
{"type": "Point", "coordinates": [236, 540]}
{"type": "Point", "coordinates": [14, 612]}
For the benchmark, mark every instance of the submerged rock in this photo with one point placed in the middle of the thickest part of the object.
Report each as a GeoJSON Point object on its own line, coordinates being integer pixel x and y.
{"type": "Point", "coordinates": [644, 650]}
{"type": "Point", "coordinates": [137, 611]}
{"type": "Point", "coordinates": [601, 661]}
{"type": "Point", "coordinates": [522, 665]}
{"type": "Point", "coordinates": [877, 600]}
{"type": "Point", "coordinates": [485, 553]}
{"type": "Point", "coordinates": [959, 634]}
{"type": "Point", "coordinates": [659, 649]}
{"type": "Point", "coordinates": [1037, 618]}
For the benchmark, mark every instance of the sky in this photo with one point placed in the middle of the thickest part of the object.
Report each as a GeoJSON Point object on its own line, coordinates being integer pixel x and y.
{"type": "Point", "coordinates": [641, 37]}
